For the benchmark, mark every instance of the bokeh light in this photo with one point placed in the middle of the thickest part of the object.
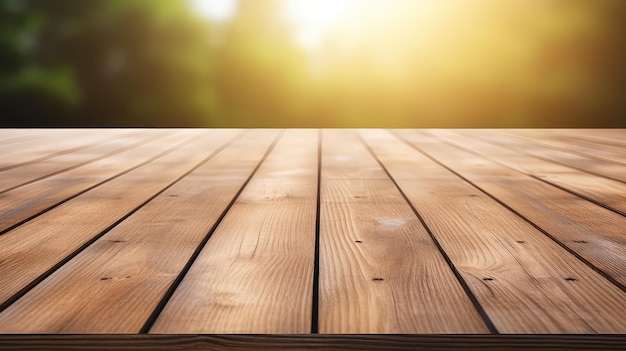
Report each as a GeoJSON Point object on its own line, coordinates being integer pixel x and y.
{"type": "Point", "coordinates": [216, 10]}
{"type": "Point", "coordinates": [305, 63]}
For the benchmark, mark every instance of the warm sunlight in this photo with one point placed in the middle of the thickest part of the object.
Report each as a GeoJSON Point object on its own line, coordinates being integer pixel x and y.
{"type": "Point", "coordinates": [434, 62]}
{"type": "Point", "coordinates": [314, 19]}
{"type": "Point", "coordinates": [354, 20]}
{"type": "Point", "coordinates": [217, 10]}
{"type": "Point", "coordinates": [315, 63]}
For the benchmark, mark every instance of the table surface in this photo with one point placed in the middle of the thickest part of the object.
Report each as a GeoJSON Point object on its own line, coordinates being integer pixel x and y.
{"type": "Point", "coordinates": [310, 232]}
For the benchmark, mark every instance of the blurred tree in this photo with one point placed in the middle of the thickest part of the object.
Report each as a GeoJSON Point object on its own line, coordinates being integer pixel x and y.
{"type": "Point", "coordinates": [402, 63]}
{"type": "Point", "coordinates": [105, 62]}
{"type": "Point", "coordinates": [29, 88]}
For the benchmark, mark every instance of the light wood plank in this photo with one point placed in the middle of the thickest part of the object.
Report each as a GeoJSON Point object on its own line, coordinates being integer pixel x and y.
{"type": "Point", "coordinates": [16, 136]}
{"type": "Point", "coordinates": [31, 250]}
{"type": "Point", "coordinates": [122, 277]}
{"type": "Point", "coordinates": [525, 282]}
{"type": "Point", "coordinates": [589, 230]}
{"type": "Point", "coordinates": [32, 199]}
{"type": "Point", "coordinates": [613, 134]}
{"type": "Point", "coordinates": [611, 144]}
{"type": "Point", "coordinates": [313, 342]}
{"type": "Point", "coordinates": [562, 140]}
{"type": "Point", "coordinates": [367, 232]}
{"type": "Point", "coordinates": [52, 143]}
{"type": "Point", "coordinates": [14, 177]}
{"type": "Point", "coordinates": [585, 164]}
{"type": "Point", "coordinates": [604, 191]}
{"type": "Point", "coordinates": [255, 275]}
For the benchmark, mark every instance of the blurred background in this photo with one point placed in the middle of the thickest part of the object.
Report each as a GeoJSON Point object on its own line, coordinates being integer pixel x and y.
{"type": "Point", "coordinates": [313, 63]}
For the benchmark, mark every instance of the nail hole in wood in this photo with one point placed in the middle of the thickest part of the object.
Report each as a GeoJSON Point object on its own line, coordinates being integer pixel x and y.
{"type": "Point", "coordinates": [570, 279]}
{"type": "Point", "coordinates": [581, 241]}
{"type": "Point", "coordinates": [488, 279]}
{"type": "Point", "coordinates": [106, 278]}
{"type": "Point", "coordinates": [117, 241]}
{"type": "Point", "coordinates": [358, 241]}
{"type": "Point", "coordinates": [378, 279]}
{"type": "Point", "coordinates": [521, 242]}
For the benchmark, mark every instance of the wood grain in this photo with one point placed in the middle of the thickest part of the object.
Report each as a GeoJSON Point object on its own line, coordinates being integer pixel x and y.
{"type": "Point", "coordinates": [122, 277]}
{"type": "Point", "coordinates": [16, 136]}
{"type": "Point", "coordinates": [255, 275]}
{"type": "Point", "coordinates": [378, 265]}
{"type": "Point", "coordinates": [31, 250]}
{"type": "Point", "coordinates": [525, 282]}
{"type": "Point", "coordinates": [590, 136]}
{"type": "Point", "coordinates": [598, 238]}
{"type": "Point", "coordinates": [313, 342]}
{"type": "Point", "coordinates": [586, 164]}
{"type": "Point", "coordinates": [562, 140]}
{"type": "Point", "coordinates": [14, 177]}
{"type": "Point", "coordinates": [606, 192]}
{"type": "Point", "coordinates": [204, 232]}
{"type": "Point", "coordinates": [51, 143]}
{"type": "Point", "coordinates": [34, 198]}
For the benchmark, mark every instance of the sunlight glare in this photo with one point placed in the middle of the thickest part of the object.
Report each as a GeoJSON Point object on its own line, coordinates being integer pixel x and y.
{"type": "Point", "coordinates": [314, 19]}
{"type": "Point", "coordinates": [216, 10]}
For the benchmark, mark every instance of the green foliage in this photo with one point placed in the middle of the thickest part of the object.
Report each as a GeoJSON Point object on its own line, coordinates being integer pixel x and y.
{"type": "Point", "coordinates": [111, 62]}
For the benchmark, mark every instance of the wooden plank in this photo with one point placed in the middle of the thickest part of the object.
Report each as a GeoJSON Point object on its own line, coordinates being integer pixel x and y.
{"type": "Point", "coordinates": [313, 342]}
{"type": "Point", "coordinates": [29, 252]}
{"type": "Point", "coordinates": [606, 192]}
{"type": "Point", "coordinates": [122, 276]}
{"type": "Point", "coordinates": [563, 140]}
{"type": "Point", "coordinates": [52, 143]}
{"type": "Point", "coordinates": [14, 177]}
{"type": "Point", "coordinates": [582, 163]}
{"type": "Point", "coordinates": [16, 136]}
{"type": "Point", "coordinates": [30, 200]}
{"type": "Point", "coordinates": [612, 151]}
{"type": "Point", "coordinates": [606, 140]}
{"type": "Point", "coordinates": [594, 233]}
{"type": "Point", "coordinates": [613, 134]}
{"type": "Point", "coordinates": [590, 138]}
{"type": "Point", "coordinates": [367, 232]}
{"type": "Point", "coordinates": [255, 275]}
{"type": "Point", "coordinates": [525, 282]}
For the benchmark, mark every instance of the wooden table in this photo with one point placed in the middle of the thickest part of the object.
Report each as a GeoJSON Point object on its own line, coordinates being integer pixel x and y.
{"type": "Point", "coordinates": [307, 239]}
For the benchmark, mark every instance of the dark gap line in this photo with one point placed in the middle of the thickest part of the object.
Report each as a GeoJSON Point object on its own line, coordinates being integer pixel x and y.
{"type": "Point", "coordinates": [598, 142]}
{"type": "Point", "coordinates": [547, 145]}
{"type": "Point", "coordinates": [316, 264]}
{"type": "Point", "coordinates": [489, 158]}
{"type": "Point", "coordinates": [486, 319]}
{"type": "Point", "coordinates": [58, 153]}
{"type": "Point", "coordinates": [76, 252]}
{"type": "Point", "coordinates": [84, 163]}
{"type": "Point", "coordinates": [598, 147]}
{"type": "Point", "coordinates": [527, 220]}
{"type": "Point", "coordinates": [176, 283]}
{"type": "Point", "coordinates": [153, 158]}
{"type": "Point", "coordinates": [519, 151]}
{"type": "Point", "coordinates": [585, 197]}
